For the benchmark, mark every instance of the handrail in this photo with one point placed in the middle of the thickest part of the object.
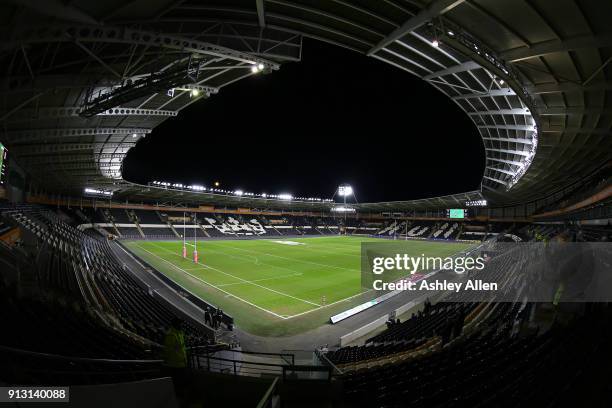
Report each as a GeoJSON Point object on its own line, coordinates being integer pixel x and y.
{"type": "Point", "coordinates": [254, 353]}
{"type": "Point", "coordinates": [204, 362]}
{"type": "Point", "coordinates": [268, 395]}
{"type": "Point", "coordinates": [78, 359]}
{"type": "Point", "coordinates": [323, 357]}
{"type": "Point", "coordinates": [244, 362]}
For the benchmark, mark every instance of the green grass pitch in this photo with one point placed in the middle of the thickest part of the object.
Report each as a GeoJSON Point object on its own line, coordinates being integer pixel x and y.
{"type": "Point", "coordinates": [274, 287]}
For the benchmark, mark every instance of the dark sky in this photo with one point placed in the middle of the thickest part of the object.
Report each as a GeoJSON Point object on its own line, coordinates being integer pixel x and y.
{"type": "Point", "coordinates": [336, 117]}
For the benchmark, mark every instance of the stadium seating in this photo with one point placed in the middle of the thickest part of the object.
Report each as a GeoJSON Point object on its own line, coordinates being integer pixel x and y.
{"type": "Point", "coordinates": [148, 217]}
{"type": "Point", "coordinates": [152, 224]}
{"type": "Point", "coordinates": [85, 269]}
{"type": "Point", "coordinates": [120, 216]}
{"type": "Point", "coordinates": [491, 367]}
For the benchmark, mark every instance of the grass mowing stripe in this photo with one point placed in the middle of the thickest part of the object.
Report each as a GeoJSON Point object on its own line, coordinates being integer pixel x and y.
{"type": "Point", "coordinates": [331, 281]}
{"type": "Point", "coordinates": [211, 285]}
{"type": "Point", "coordinates": [244, 280]}
{"type": "Point", "coordinates": [317, 247]}
{"type": "Point", "coordinates": [262, 279]}
{"type": "Point", "coordinates": [256, 261]}
{"type": "Point", "coordinates": [296, 260]}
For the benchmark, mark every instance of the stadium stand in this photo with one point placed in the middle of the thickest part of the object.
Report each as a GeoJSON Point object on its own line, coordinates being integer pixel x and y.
{"type": "Point", "coordinates": [490, 368]}
{"type": "Point", "coordinates": [86, 269]}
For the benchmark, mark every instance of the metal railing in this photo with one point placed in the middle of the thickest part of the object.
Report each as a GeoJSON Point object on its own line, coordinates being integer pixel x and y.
{"type": "Point", "coordinates": [285, 366]}
{"type": "Point", "coordinates": [48, 369]}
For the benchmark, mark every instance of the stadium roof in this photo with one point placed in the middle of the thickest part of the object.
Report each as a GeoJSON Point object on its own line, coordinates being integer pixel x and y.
{"type": "Point", "coordinates": [86, 80]}
{"type": "Point", "coordinates": [136, 192]}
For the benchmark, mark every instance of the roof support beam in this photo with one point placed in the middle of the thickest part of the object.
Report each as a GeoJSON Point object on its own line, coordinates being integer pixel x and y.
{"type": "Point", "coordinates": [94, 56]}
{"type": "Point", "coordinates": [46, 148]}
{"type": "Point", "coordinates": [56, 8]}
{"type": "Point", "coordinates": [435, 9]}
{"type": "Point", "coordinates": [408, 60]}
{"type": "Point", "coordinates": [74, 111]}
{"type": "Point", "coordinates": [555, 46]}
{"type": "Point", "coordinates": [121, 35]}
{"type": "Point", "coordinates": [28, 136]}
{"type": "Point", "coordinates": [501, 170]}
{"type": "Point", "coordinates": [574, 111]}
{"type": "Point", "coordinates": [492, 92]}
{"type": "Point", "coordinates": [508, 151]}
{"type": "Point", "coordinates": [466, 66]}
{"type": "Point", "coordinates": [512, 162]}
{"type": "Point", "coordinates": [569, 87]}
{"type": "Point", "coordinates": [396, 65]}
{"type": "Point", "coordinates": [594, 131]}
{"type": "Point", "coordinates": [261, 17]}
{"type": "Point", "coordinates": [495, 180]}
{"type": "Point", "coordinates": [517, 111]}
{"type": "Point", "coordinates": [509, 127]}
{"type": "Point", "coordinates": [510, 140]}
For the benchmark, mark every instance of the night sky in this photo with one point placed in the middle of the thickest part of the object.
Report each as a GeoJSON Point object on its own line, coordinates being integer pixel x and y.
{"type": "Point", "coordinates": [336, 117]}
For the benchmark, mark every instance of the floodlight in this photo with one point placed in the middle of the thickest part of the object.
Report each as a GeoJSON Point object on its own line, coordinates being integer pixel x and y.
{"type": "Point", "coordinates": [501, 81]}
{"type": "Point", "coordinates": [260, 66]}
{"type": "Point", "coordinates": [95, 191]}
{"type": "Point", "coordinates": [343, 209]}
{"type": "Point", "coordinates": [195, 92]}
{"type": "Point", "coordinates": [285, 196]}
{"type": "Point", "coordinates": [345, 191]}
{"type": "Point", "coordinates": [238, 192]}
{"type": "Point", "coordinates": [254, 69]}
{"type": "Point", "coordinates": [435, 43]}
{"type": "Point", "coordinates": [217, 184]}
{"type": "Point", "coordinates": [134, 135]}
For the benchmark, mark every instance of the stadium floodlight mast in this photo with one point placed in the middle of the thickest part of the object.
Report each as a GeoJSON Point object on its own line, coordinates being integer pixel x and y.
{"type": "Point", "coordinates": [195, 238]}
{"type": "Point", "coordinates": [184, 236]}
{"type": "Point", "coordinates": [344, 191]}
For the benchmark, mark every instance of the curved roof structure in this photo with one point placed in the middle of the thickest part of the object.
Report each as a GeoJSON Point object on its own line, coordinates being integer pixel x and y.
{"type": "Point", "coordinates": [85, 81]}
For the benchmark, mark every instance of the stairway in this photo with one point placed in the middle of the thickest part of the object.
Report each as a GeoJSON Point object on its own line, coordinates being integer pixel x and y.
{"type": "Point", "coordinates": [203, 229]}
{"type": "Point", "coordinates": [111, 220]}
{"type": "Point", "coordinates": [132, 216]}
{"type": "Point", "coordinates": [169, 224]}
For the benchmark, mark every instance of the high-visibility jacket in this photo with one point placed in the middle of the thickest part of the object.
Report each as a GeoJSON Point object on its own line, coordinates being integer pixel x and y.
{"type": "Point", "coordinates": [175, 352]}
{"type": "Point", "coordinates": [558, 294]}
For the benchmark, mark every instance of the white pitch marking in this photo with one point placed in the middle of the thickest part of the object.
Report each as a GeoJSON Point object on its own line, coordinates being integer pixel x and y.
{"type": "Point", "coordinates": [210, 284]}
{"type": "Point", "coordinates": [244, 280]}
{"type": "Point", "coordinates": [260, 280]}
{"type": "Point", "coordinates": [328, 305]}
{"type": "Point", "coordinates": [294, 260]}
{"type": "Point", "coordinates": [256, 262]}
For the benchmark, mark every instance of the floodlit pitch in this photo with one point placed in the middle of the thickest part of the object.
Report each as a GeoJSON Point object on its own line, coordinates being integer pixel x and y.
{"type": "Point", "coordinates": [274, 287]}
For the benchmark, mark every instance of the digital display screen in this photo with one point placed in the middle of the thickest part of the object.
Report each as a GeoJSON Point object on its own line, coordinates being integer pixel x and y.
{"type": "Point", "coordinates": [3, 163]}
{"type": "Point", "coordinates": [456, 213]}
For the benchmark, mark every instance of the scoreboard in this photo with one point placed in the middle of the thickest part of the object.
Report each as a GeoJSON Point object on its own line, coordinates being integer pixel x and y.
{"type": "Point", "coordinates": [456, 213]}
